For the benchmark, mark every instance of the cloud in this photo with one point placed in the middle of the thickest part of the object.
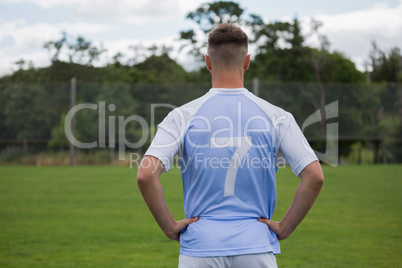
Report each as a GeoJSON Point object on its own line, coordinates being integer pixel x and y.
{"type": "Point", "coordinates": [20, 40]}
{"type": "Point", "coordinates": [123, 10]}
{"type": "Point", "coordinates": [31, 36]}
{"type": "Point", "coordinates": [123, 46]}
{"type": "Point", "coordinates": [38, 58]}
{"type": "Point", "coordinates": [353, 32]}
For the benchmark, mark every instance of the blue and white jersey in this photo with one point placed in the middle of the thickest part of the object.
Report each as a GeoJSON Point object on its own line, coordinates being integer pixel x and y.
{"type": "Point", "coordinates": [228, 142]}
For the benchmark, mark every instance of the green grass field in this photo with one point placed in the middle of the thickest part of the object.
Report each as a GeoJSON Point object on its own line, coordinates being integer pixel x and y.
{"type": "Point", "coordinates": [95, 217]}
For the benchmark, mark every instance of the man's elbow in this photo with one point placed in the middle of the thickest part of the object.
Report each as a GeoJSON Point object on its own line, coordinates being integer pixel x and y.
{"type": "Point", "coordinates": [317, 180]}
{"type": "Point", "coordinates": [320, 179]}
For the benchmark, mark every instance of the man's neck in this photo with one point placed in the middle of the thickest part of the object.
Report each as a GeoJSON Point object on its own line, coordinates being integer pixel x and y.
{"type": "Point", "coordinates": [228, 80]}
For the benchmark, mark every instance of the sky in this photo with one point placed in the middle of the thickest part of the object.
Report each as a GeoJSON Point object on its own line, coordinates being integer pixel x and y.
{"type": "Point", "coordinates": [25, 25]}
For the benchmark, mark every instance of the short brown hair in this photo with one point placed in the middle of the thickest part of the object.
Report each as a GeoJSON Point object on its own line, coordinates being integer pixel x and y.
{"type": "Point", "coordinates": [227, 46]}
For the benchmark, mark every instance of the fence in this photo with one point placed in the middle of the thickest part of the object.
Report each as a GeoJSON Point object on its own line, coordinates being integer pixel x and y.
{"type": "Point", "coordinates": [32, 116]}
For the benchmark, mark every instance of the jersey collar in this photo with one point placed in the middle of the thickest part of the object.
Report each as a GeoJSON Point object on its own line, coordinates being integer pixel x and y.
{"type": "Point", "coordinates": [228, 90]}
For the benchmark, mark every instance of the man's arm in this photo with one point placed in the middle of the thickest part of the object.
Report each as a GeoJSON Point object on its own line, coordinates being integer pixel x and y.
{"type": "Point", "coordinates": [148, 181]}
{"type": "Point", "coordinates": [310, 186]}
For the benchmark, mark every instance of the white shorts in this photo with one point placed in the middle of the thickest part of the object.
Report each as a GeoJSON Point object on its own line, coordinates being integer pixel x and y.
{"type": "Point", "coordinates": [261, 260]}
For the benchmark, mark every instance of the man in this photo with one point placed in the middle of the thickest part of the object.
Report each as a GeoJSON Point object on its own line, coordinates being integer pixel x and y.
{"type": "Point", "coordinates": [228, 142]}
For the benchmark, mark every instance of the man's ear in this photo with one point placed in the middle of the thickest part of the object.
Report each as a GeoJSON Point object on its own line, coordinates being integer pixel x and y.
{"type": "Point", "coordinates": [208, 62]}
{"type": "Point", "coordinates": [246, 62]}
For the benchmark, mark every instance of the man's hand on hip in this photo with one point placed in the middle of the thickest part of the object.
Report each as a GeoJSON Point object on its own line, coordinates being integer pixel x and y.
{"type": "Point", "coordinates": [174, 233]}
{"type": "Point", "coordinates": [275, 227]}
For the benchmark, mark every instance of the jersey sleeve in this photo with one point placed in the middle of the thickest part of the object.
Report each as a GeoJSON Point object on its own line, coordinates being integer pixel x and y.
{"type": "Point", "coordinates": [167, 141]}
{"type": "Point", "coordinates": [295, 147]}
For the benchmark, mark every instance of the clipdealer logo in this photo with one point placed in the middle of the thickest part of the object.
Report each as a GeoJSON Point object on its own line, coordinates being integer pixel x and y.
{"type": "Point", "coordinates": [330, 156]}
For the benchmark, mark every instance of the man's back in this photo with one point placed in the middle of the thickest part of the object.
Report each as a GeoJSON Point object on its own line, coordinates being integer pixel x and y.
{"type": "Point", "coordinates": [227, 143]}
{"type": "Point", "coordinates": [228, 177]}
